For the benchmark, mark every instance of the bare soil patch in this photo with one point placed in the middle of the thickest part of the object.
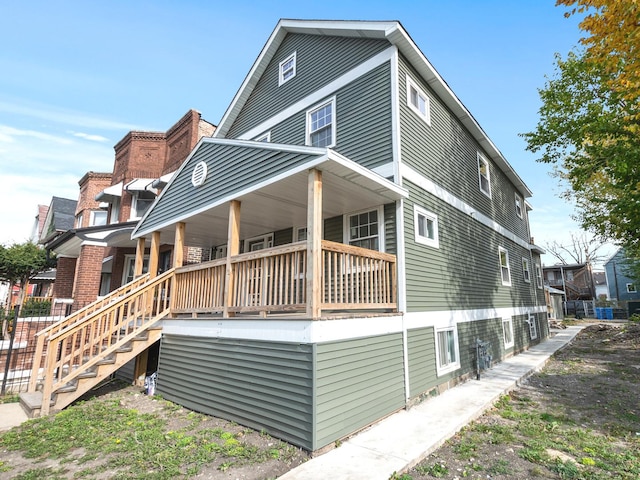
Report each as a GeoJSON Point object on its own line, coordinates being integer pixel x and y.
{"type": "Point", "coordinates": [578, 418]}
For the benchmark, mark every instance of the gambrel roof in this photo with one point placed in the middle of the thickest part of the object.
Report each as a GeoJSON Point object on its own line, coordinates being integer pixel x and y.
{"type": "Point", "coordinates": [392, 31]}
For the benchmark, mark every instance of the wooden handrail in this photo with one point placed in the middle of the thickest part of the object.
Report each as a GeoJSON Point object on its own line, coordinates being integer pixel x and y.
{"type": "Point", "coordinates": [43, 334]}
{"type": "Point", "coordinates": [81, 345]}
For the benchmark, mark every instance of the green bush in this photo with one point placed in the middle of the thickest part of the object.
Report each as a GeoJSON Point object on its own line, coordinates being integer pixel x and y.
{"type": "Point", "coordinates": [35, 308]}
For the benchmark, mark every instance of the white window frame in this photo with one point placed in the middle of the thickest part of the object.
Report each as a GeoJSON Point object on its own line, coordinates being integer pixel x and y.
{"type": "Point", "coordinates": [347, 227]}
{"type": "Point", "coordinates": [219, 252]}
{"type": "Point", "coordinates": [135, 214]}
{"type": "Point", "coordinates": [502, 250]}
{"type": "Point", "coordinates": [267, 240]}
{"type": "Point", "coordinates": [526, 270]}
{"type": "Point", "coordinates": [428, 216]}
{"type": "Point", "coordinates": [483, 161]}
{"type": "Point", "coordinates": [452, 365]}
{"type": "Point", "coordinates": [114, 214]}
{"type": "Point", "coordinates": [533, 328]}
{"type": "Point", "coordinates": [282, 72]}
{"type": "Point", "coordinates": [92, 217]}
{"type": "Point", "coordinates": [299, 234]}
{"type": "Point", "coordinates": [426, 115]}
{"type": "Point", "coordinates": [79, 219]}
{"type": "Point", "coordinates": [130, 265]}
{"type": "Point", "coordinates": [539, 282]}
{"type": "Point", "coordinates": [631, 288]}
{"type": "Point", "coordinates": [507, 332]}
{"type": "Point", "coordinates": [265, 137]}
{"type": "Point", "coordinates": [333, 123]}
{"type": "Point", "coordinates": [518, 205]}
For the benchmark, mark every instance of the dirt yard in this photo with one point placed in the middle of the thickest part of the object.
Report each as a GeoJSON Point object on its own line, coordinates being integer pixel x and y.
{"type": "Point", "coordinates": [579, 418]}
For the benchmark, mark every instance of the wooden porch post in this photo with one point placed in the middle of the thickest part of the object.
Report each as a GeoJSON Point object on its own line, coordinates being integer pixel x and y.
{"type": "Point", "coordinates": [314, 244]}
{"type": "Point", "coordinates": [178, 245]}
{"type": "Point", "coordinates": [154, 254]}
{"type": "Point", "coordinates": [233, 248]}
{"type": "Point", "coordinates": [137, 269]}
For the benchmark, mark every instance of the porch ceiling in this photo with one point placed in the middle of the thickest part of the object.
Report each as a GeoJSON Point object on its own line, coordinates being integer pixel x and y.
{"type": "Point", "coordinates": [347, 187]}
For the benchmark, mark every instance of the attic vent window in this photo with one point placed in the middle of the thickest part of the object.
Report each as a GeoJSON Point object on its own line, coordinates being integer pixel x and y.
{"type": "Point", "coordinates": [287, 69]}
{"type": "Point", "coordinates": [199, 174]}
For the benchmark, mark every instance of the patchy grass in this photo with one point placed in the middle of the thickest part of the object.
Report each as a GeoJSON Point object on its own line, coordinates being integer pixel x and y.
{"type": "Point", "coordinates": [102, 435]}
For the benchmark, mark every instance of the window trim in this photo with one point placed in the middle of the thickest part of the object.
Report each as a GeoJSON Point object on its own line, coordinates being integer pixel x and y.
{"type": "Point", "coordinates": [502, 250]}
{"type": "Point", "coordinates": [265, 137]}
{"type": "Point", "coordinates": [455, 365]}
{"type": "Point", "coordinates": [281, 72]}
{"type": "Point", "coordinates": [296, 233]}
{"type": "Point", "coordinates": [507, 327]}
{"type": "Point", "coordinates": [526, 270]}
{"type": "Point", "coordinates": [346, 230]}
{"type": "Point", "coordinates": [425, 240]}
{"type": "Point", "coordinates": [631, 285]}
{"type": "Point", "coordinates": [533, 328]}
{"type": "Point", "coordinates": [134, 214]}
{"type": "Point", "coordinates": [315, 108]}
{"type": "Point", "coordinates": [79, 220]}
{"type": "Point", "coordinates": [426, 116]}
{"type": "Point", "coordinates": [92, 217]}
{"type": "Point", "coordinates": [482, 160]}
{"type": "Point", "coordinates": [518, 206]}
{"type": "Point", "coordinates": [539, 282]}
{"type": "Point", "coordinates": [130, 262]}
{"type": "Point", "coordinates": [267, 238]}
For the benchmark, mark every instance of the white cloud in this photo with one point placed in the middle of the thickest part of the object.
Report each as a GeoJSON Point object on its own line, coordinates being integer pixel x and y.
{"type": "Point", "coordinates": [8, 134]}
{"type": "Point", "coordinates": [88, 136]}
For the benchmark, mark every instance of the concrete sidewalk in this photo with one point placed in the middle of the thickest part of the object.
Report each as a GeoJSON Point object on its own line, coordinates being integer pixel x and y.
{"type": "Point", "coordinates": [11, 415]}
{"type": "Point", "coordinates": [402, 440]}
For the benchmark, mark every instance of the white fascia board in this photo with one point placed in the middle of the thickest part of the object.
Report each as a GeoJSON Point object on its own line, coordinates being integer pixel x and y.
{"type": "Point", "coordinates": [449, 318]}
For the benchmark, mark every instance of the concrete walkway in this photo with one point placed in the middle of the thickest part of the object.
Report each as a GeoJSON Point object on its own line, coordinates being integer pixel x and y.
{"type": "Point", "coordinates": [405, 438]}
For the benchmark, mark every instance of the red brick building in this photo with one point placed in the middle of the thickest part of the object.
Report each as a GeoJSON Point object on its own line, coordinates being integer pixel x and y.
{"type": "Point", "coordinates": [98, 255]}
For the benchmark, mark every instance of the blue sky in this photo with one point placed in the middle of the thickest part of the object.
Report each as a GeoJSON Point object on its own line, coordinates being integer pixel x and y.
{"type": "Point", "coordinates": [76, 76]}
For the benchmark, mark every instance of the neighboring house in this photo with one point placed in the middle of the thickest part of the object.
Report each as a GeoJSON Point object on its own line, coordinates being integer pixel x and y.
{"type": "Point", "coordinates": [621, 286]}
{"type": "Point", "coordinates": [59, 218]}
{"type": "Point", "coordinates": [575, 280]}
{"type": "Point", "coordinates": [365, 234]}
{"type": "Point", "coordinates": [96, 256]}
{"type": "Point", "coordinates": [555, 303]}
{"type": "Point", "coordinates": [600, 283]}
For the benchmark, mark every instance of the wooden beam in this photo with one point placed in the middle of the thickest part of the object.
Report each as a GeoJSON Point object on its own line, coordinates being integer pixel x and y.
{"type": "Point", "coordinates": [314, 244]}
{"type": "Point", "coordinates": [154, 254]}
{"type": "Point", "coordinates": [233, 248]}
{"type": "Point", "coordinates": [178, 245]}
{"type": "Point", "coordinates": [137, 269]}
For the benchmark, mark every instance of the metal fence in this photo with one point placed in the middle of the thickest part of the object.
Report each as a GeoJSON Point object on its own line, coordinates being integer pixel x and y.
{"type": "Point", "coordinates": [18, 328]}
{"type": "Point", "coordinates": [611, 310]}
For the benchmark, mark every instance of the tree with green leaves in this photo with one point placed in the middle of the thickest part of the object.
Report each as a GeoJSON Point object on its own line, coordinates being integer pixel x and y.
{"type": "Point", "coordinates": [20, 262]}
{"type": "Point", "coordinates": [589, 126]}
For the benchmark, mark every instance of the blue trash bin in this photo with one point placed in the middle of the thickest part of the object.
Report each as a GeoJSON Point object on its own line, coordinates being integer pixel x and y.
{"type": "Point", "coordinates": [608, 313]}
{"type": "Point", "coordinates": [600, 313]}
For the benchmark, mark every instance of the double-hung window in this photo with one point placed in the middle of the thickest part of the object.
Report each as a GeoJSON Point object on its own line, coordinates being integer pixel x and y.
{"type": "Point", "coordinates": [321, 125]}
{"type": "Point", "coordinates": [538, 276]}
{"type": "Point", "coordinates": [418, 101]}
{"type": "Point", "coordinates": [98, 217]}
{"type": "Point", "coordinates": [484, 175]}
{"type": "Point", "coordinates": [447, 353]}
{"type": "Point", "coordinates": [287, 69]}
{"type": "Point", "coordinates": [364, 229]}
{"type": "Point", "coordinates": [526, 271]}
{"type": "Point", "coordinates": [507, 332]}
{"type": "Point", "coordinates": [518, 203]}
{"type": "Point", "coordinates": [426, 227]}
{"type": "Point", "coordinates": [505, 270]}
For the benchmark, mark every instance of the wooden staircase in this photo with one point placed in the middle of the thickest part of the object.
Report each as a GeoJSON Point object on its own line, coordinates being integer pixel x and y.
{"type": "Point", "coordinates": [80, 351]}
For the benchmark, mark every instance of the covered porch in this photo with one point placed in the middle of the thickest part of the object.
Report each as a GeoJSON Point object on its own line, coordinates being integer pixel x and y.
{"type": "Point", "coordinates": [305, 274]}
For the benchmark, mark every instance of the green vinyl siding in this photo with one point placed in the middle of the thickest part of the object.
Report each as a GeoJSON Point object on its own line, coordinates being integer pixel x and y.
{"type": "Point", "coordinates": [446, 153]}
{"type": "Point", "coordinates": [363, 120]}
{"type": "Point", "coordinates": [421, 350]}
{"type": "Point", "coordinates": [230, 169]}
{"type": "Point", "coordinates": [319, 60]}
{"type": "Point", "coordinates": [263, 385]}
{"type": "Point", "coordinates": [357, 382]}
{"type": "Point", "coordinates": [464, 272]}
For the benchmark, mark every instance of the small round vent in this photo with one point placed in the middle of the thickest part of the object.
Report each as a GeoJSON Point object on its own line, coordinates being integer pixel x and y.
{"type": "Point", "coordinates": [199, 174]}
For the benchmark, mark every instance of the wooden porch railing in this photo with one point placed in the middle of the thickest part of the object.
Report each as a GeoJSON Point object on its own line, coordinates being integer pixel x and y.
{"type": "Point", "coordinates": [43, 336]}
{"type": "Point", "coordinates": [78, 347]}
{"type": "Point", "coordinates": [274, 280]}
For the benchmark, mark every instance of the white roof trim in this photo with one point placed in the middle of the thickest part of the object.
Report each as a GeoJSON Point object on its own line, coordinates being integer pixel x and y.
{"type": "Point", "coordinates": [139, 185]}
